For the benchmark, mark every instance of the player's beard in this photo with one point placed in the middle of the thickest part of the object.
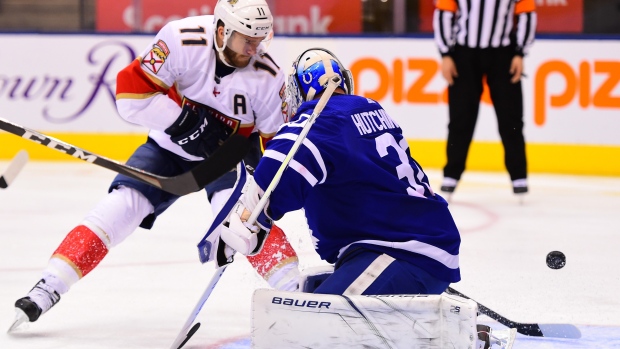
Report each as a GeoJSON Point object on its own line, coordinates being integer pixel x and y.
{"type": "Point", "coordinates": [235, 59]}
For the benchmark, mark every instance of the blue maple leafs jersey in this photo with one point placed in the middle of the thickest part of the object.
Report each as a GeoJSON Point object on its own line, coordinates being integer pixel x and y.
{"type": "Point", "coordinates": [360, 187]}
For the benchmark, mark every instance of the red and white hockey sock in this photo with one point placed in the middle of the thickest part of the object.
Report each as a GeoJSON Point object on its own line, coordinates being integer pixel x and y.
{"type": "Point", "coordinates": [78, 254]}
{"type": "Point", "coordinates": [109, 223]}
{"type": "Point", "coordinates": [277, 262]}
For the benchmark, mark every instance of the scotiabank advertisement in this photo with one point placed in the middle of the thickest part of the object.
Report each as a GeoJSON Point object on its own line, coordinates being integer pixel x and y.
{"type": "Point", "coordinates": [571, 92]}
{"type": "Point", "coordinates": [290, 17]}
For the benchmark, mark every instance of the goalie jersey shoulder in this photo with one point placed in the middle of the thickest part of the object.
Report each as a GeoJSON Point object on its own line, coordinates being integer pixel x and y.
{"type": "Point", "coordinates": [346, 120]}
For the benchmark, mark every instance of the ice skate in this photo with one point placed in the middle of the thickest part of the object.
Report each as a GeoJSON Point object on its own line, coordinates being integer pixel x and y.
{"type": "Point", "coordinates": [490, 339]}
{"type": "Point", "coordinates": [39, 300]}
{"type": "Point", "coordinates": [519, 188]}
{"type": "Point", "coordinates": [448, 185]}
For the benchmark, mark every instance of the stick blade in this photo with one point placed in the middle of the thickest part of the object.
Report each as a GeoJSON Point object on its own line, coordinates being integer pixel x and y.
{"type": "Point", "coordinates": [556, 331]}
{"type": "Point", "coordinates": [527, 329]}
{"type": "Point", "coordinates": [17, 164]}
{"type": "Point", "coordinates": [189, 335]}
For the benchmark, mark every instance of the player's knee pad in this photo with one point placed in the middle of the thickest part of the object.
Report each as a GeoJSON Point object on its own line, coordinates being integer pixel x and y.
{"type": "Point", "coordinates": [118, 215]}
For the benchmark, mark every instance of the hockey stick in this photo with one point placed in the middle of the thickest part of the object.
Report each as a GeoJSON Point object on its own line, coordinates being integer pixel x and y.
{"type": "Point", "coordinates": [222, 161]}
{"type": "Point", "coordinates": [333, 83]}
{"type": "Point", "coordinates": [15, 166]}
{"type": "Point", "coordinates": [204, 246]}
{"type": "Point", "coordinates": [534, 330]}
{"type": "Point", "coordinates": [186, 333]}
{"type": "Point", "coordinates": [205, 249]}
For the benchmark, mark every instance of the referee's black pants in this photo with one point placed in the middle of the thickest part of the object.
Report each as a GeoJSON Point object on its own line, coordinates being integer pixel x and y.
{"type": "Point", "coordinates": [464, 101]}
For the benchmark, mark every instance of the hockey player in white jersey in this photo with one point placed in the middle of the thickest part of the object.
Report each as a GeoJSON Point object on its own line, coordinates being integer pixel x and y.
{"type": "Point", "coordinates": [200, 80]}
{"type": "Point", "coordinates": [369, 205]}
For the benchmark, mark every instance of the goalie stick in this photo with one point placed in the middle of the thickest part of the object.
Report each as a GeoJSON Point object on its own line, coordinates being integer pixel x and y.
{"type": "Point", "coordinates": [186, 332]}
{"type": "Point", "coordinates": [15, 166]}
{"type": "Point", "coordinates": [222, 161]}
{"type": "Point", "coordinates": [204, 246]}
{"type": "Point", "coordinates": [528, 329]}
{"type": "Point", "coordinates": [205, 249]}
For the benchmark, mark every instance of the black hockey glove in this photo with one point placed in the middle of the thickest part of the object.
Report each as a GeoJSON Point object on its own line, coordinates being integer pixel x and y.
{"type": "Point", "coordinates": [197, 131]}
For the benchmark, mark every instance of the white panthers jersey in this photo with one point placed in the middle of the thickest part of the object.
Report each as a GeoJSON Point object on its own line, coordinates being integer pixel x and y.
{"type": "Point", "coordinates": [179, 67]}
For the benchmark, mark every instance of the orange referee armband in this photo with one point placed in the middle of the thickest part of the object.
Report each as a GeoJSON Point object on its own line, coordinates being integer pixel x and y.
{"type": "Point", "coordinates": [447, 5]}
{"type": "Point", "coordinates": [525, 6]}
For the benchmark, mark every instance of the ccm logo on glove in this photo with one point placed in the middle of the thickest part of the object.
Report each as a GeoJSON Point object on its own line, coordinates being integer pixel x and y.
{"type": "Point", "coordinates": [188, 131]}
{"type": "Point", "coordinates": [195, 135]}
{"type": "Point", "coordinates": [199, 129]}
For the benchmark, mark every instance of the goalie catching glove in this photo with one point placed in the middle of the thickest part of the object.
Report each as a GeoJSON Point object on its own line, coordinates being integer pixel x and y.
{"type": "Point", "coordinates": [245, 238]}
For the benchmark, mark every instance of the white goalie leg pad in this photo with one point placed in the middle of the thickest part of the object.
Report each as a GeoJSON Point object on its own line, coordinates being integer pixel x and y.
{"type": "Point", "coordinates": [302, 320]}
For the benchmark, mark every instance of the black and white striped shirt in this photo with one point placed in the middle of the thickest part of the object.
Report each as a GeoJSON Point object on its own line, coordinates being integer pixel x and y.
{"type": "Point", "coordinates": [484, 23]}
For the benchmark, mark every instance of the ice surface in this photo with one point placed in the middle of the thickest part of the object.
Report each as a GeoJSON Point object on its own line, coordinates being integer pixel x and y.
{"type": "Point", "coordinates": [141, 294]}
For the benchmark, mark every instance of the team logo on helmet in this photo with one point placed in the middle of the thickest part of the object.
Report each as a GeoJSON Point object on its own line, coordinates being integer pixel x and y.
{"type": "Point", "coordinates": [156, 57]}
{"type": "Point", "coordinates": [233, 2]}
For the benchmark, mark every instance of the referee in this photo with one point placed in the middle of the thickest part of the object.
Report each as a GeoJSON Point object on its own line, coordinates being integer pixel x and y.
{"type": "Point", "coordinates": [478, 39]}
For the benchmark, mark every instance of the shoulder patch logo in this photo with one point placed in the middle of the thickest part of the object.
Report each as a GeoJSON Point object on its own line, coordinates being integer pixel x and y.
{"type": "Point", "coordinates": [156, 57]}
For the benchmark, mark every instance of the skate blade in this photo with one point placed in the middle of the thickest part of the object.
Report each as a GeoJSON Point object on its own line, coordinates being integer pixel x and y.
{"type": "Point", "coordinates": [20, 318]}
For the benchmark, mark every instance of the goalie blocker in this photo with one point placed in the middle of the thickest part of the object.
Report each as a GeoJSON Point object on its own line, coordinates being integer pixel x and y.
{"type": "Point", "coordinates": [303, 320]}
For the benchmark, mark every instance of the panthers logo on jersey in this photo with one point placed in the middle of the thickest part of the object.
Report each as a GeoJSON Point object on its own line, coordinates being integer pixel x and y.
{"type": "Point", "coordinates": [156, 57]}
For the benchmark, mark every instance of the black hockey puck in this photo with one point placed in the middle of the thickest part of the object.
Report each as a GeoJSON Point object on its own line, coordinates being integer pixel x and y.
{"type": "Point", "coordinates": [556, 260]}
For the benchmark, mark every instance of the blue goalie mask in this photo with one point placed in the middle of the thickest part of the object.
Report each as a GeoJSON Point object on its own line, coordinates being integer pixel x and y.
{"type": "Point", "coordinates": [309, 76]}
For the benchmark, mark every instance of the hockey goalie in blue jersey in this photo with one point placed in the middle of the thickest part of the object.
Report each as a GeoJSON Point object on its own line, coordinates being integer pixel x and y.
{"type": "Point", "coordinates": [369, 206]}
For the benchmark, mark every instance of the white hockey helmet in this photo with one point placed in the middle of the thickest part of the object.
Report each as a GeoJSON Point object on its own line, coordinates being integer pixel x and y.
{"type": "Point", "coordinates": [248, 17]}
{"type": "Point", "coordinates": [310, 74]}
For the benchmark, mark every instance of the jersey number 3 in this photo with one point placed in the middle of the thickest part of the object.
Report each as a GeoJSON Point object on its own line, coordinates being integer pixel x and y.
{"type": "Point", "coordinates": [404, 169]}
